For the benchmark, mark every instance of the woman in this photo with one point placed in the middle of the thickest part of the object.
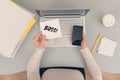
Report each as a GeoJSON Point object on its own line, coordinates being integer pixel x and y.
{"type": "Point", "coordinates": [61, 73]}
{"type": "Point", "coordinates": [33, 66]}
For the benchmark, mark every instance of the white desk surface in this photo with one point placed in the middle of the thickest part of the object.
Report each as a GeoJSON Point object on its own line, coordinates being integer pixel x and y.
{"type": "Point", "coordinates": [69, 56]}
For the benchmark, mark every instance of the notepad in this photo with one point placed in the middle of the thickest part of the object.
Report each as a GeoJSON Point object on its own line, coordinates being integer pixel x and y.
{"type": "Point", "coordinates": [15, 23]}
{"type": "Point", "coordinates": [107, 47]}
{"type": "Point", "coordinates": [51, 29]}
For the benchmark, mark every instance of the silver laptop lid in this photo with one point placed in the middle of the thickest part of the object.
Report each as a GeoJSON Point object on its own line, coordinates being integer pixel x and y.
{"type": "Point", "coordinates": [73, 13]}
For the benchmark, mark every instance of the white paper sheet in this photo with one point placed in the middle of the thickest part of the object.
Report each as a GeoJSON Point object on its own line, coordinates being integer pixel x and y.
{"type": "Point", "coordinates": [107, 47]}
{"type": "Point", "coordinates": [51, 29]}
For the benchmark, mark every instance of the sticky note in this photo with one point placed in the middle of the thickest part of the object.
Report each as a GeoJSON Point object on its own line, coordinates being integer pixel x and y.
{"type": "Point", "coordinates": [107, 47]}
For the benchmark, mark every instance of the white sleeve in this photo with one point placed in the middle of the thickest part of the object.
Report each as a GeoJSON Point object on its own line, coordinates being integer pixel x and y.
{"type": "Point", "coordinates": [34, 65]}
{"type": "Point", "coordinates": [92, 66]}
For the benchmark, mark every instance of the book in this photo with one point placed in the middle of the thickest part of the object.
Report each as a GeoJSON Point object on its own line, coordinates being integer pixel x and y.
{"type": "Point", "coordinates": [15, 23]}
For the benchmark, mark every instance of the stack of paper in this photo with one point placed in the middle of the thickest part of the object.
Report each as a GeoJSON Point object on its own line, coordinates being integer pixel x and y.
{"type": "Point", "coordinates": [107, 47]}
{"type": "Point", "coordinates": [15, 23]}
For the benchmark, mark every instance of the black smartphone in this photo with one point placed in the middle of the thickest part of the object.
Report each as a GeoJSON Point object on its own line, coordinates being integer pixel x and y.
{"type": "Point", "coordinates": [77, 35]}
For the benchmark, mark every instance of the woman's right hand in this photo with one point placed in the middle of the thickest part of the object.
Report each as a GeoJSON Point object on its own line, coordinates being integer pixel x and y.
{"type": "Point", "coordinates": [84, 42]}
{"type": "Point", "coordinates": [39, 40]}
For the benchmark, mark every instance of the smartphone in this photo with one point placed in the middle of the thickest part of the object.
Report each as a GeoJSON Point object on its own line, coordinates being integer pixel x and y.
{"type": "Point", "coordinates": [77, 35]}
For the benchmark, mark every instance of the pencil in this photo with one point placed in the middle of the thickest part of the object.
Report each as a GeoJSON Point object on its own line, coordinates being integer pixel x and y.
{"type": "Point", "coordinates": [96, 42]}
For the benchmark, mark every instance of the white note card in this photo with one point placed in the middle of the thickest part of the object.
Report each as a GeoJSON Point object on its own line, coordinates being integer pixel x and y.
{"type": "Point", "coordinates": [51, 29]}
{"type": "Point", "coordinates": [107, 47]}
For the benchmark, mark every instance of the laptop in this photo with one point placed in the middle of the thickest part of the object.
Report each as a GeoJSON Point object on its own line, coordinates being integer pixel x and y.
{"type": "Point", "coordinates": [67, 18]}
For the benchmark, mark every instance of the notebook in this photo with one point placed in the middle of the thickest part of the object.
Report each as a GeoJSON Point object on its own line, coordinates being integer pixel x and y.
{"type": "Point", "coordinates": [107, 47]}
{"type": "Point", "coordinates": [15, 23]}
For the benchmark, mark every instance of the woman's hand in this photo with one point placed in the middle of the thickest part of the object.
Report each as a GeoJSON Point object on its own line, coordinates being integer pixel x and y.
{"type": "Point", "coordinates": [84, 42]}
{"type": "Point", "coordinates": [39, 40]}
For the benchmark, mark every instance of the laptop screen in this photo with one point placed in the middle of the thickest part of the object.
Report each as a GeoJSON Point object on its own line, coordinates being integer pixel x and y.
{"type": "Point", "coordinates": [62, 13]}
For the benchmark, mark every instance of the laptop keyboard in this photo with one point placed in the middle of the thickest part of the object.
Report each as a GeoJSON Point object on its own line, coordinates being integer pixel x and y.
{"type": "Point", "coordinates": [68, 23]}
{"type": "Point", "coordinates": [66, 28]}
